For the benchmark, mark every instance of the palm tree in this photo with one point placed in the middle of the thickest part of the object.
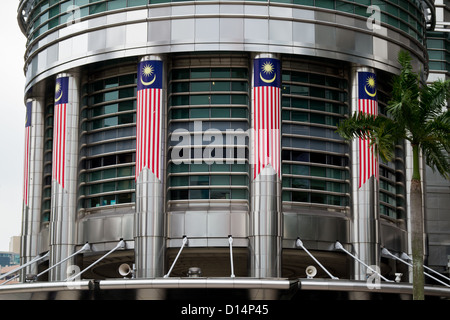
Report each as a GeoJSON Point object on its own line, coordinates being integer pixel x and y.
{"type": "Point", "coordinates": [417, 113]}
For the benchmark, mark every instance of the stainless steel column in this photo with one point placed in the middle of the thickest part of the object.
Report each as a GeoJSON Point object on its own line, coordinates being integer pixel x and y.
{"type": "Point", "coordinates": [32, 183]}
{"type": "Point", "coordinates": [150, 149]}
{"type": "Point", "coordinates": [64, 174]}
{"type": "Point", "coordinates": [366, 224]}
{"type": "Point", "coordinates": [265, 214]}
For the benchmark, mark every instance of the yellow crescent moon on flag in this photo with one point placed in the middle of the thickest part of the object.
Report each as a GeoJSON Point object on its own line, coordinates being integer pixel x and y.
{"type": "Point", "coordinates": [60, 96]}
{"type": "Point", "coordinates": [370, 94]}
{"type": "Point", "coordinates": [148, 83]}
{"type": "Point", "coordinates": [267, 81]}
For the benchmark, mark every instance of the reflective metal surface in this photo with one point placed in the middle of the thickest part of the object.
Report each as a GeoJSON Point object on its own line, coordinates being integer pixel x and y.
{"type": "Point", "coordinates": [265, 217]}
{"type": "Point", "coordinates": [240, 26]}
{"type": "Point", "coordinates": [150, 195]}
{"type": "Point", "coordinates": [365, 222]}
{"type": "Point", "coordinates": [64, 200]}
{"type": "Point", "coordinates": [31, 216]}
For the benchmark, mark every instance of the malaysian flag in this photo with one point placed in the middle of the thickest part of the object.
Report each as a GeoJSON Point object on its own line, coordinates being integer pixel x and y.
{"type": "Point", "coordinates": [59, 130]}
{"type": "Point", "coordinates": [149, 117]}
{"type": "Point", "coordinates": [266, 115]}
{"type": "Point", "coordinates": [26, 168]}
{"type": "Point", "coordinates": [367, 103]}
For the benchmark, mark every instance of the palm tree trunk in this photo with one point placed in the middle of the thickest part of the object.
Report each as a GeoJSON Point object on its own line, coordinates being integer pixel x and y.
{"type": "Point", "coordinates": [417, 229]}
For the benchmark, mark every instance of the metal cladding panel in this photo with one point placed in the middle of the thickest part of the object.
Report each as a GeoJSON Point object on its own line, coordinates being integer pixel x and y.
{"type": "Point", "coordinates": [315, 227]}
{"type": "Point", "coordinates": [204, 27]}
{"type": "Point", "coordinates": [105, 228]}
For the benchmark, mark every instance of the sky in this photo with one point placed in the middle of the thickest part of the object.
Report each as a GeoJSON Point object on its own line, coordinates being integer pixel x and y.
{"type": "Point", "coordinates": [12, 123]}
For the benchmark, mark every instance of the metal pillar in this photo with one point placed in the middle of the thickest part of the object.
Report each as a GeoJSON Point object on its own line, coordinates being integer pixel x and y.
{"type": "Point", "coordinates": [265, 213]}
{"type": "Point", "coordinates": [150, 148]}
{"type": "Point", "coordinates": [64, 175]}
{"type": "Point", "coordinates": [366, 224]}
{"type": "Point", "coordinates": [32, 182]}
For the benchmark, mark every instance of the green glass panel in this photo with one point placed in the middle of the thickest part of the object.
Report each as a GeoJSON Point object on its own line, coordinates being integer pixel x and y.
{"type": "Point", "coordinates": [81, 2]}
{"type": "Point", "coordinates": [200, 99]}
{"type": "Point", "coordinates": [199, 167]}
{"type": "Point", "coordinates": [111, 108]}
{"type": "Point", "coordinates": [200, 73]}
{"type": "Point", "coordinates": [109, 173]}
{"type": "Point", "coordinates": [126, 105]}
{"type": "Point", "coordinates": [220, 112]}
{"type": "Point", "coordinates": [220, 99]}
{"type": "Point", "coordinates": [177, 181]}
{"type": "Point", "coordinates": [97, 8]}
{"type": "Point", "coordinates": [180, 113]}
{"type": "Point", "coordinates": [220, 167]}
{"type": "Point", "coordinates": [220, 194]}
{"type": "Point", "coordinates": [239, 168]}
{"type": "Point", "coordinates": [135, 3]}
{"type": "Point", "coordinates": [239, 86]}
{"type": "Point", "coordinates": [199, 180]}
{"type": "Point", "coordinates": [124, 171]}
{"type": "Point", "coordinates": [220, 73]}
{"type": "Point", "coordinates": [124, 185]}
{"type": "Point", "coordinates": [239, 194]}
{"type": "Point", "coordinates": [304, 2]}
{"type": "Point", "coordinates": [220, 86]}
{"type": "Point", "coordinates": [199, 112]}
{"type": "Point", "coordinates": [239, 113]}
{"type": "Point", "coordinates": [239, 73]}
{"type": "Point", "coordinates": [109, 122]}
{"type": "Point", "coordinates": [96, 188]}
{"type": "Point", "coordinates": [239, 99]}
{"type": "Point", "coordinates": [196, 86]}
{"type": "Point", "coordinates": [239, 180]}
{"type": "Point", "coordinates": [220, 180]}
{"type": "Point", "coordinates": [199, 194]}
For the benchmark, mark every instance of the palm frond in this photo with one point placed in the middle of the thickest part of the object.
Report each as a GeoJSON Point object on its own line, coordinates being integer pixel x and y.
{"type": "Point", "coordinates": [436, 157]}
{"type": "Point", "coordinates": [382, 132]}
{"type": "Point", "coordinates": [433, 99]}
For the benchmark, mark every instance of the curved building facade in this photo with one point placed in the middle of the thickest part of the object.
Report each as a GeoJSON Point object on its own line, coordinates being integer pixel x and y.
{"type": "Point", "coordinates": [190, 128]}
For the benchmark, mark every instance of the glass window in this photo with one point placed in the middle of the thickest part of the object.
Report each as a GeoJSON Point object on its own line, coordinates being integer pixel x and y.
{"type": "Point", "coordinates": [220, 194]}
{"type": "Point", "coordinates": [196, 86]}
{"type": "Point", "coordinates": [134, 3]}
{"type": "Point", "coordinates": [199, 194]}
{"type": "Point", "coordinates": [220, 180]}
{"type": "Point", "coordinates": [220, 112]}
{"type": "Point", "coordinates": [97, 8]}
{"type": "Point", "coordinates": [116, 4]}
{"type": "Point", "coordinates": [220, 86]}
{"type": "Point", "coordinates": [200, 73]}
{"type": "Point", "coordinates": [200, 180]}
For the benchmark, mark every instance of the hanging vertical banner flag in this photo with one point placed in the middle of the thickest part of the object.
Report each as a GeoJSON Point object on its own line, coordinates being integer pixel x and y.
{"type": "Point", "coordinates": [149, 117]}
{"type": "Point", "coordinates": [266, 115]}
{"type": "Point", "coordinates": [26, 169]}
{"type": "Point", "coordinates": [59, 129]}
{"type": "Point", "coordinates": [367, 103]}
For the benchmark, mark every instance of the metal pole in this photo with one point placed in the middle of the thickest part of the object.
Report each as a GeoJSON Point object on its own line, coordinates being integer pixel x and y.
{"type": "Point", "coordinates": [339, 246]}
{"type": "Point", "coordinates": [176, 258]}
{"type": "Point", "coordinates": [230, 240]}
{"type": "Point", "coordinates": [386, 251]}
{"type": "Point", "coordinates": [36, 259]}
{"type": "Point", "coordinates": [85, 247]}
{"type": "Point", "coordinates": [121, 244]}
{"type": "Point", "coordinates": [299, 243]}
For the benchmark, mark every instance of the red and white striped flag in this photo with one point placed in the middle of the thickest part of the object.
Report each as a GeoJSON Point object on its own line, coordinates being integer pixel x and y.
{"type": "Point", "coordinates": [59, 130]}
{"type": "Point", "coordinates": [367, 103]}
{"type": "Point", "coordinates": [149, 118]}
{"type": "Point", "coordinates": [266, 115]}
{"type": "Point", "coordinates": [26, 169]}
